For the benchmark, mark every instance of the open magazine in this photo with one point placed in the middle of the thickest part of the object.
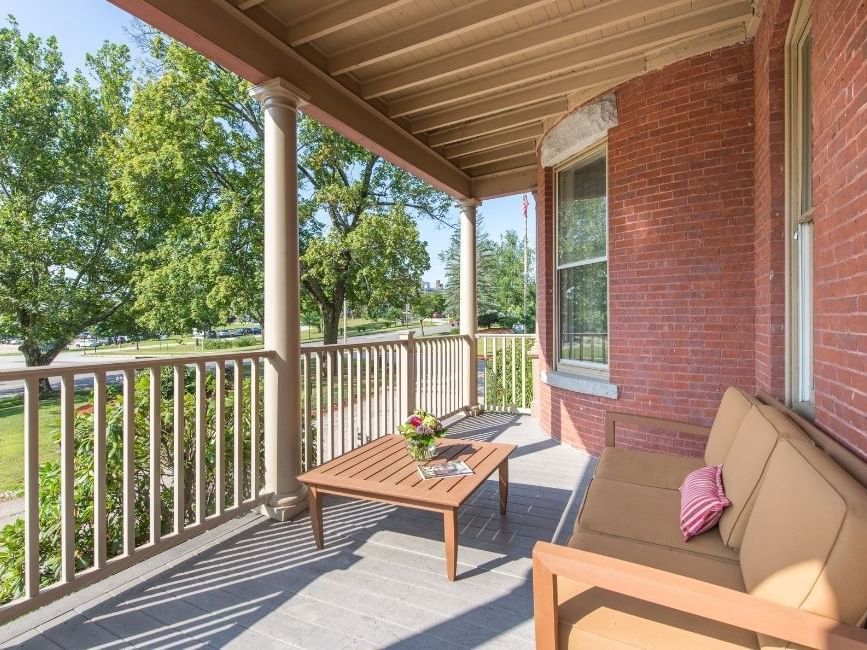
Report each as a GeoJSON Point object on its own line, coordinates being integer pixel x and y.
{"type": "Point", "coordinates": [444, 470]}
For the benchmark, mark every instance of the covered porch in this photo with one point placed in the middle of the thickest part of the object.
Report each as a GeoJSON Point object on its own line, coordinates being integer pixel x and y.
{"type": "Point", "coordinates": [378, 583]}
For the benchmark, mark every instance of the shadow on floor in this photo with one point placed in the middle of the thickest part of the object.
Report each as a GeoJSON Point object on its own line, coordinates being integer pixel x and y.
{"type": "Point", "coordinates": [379, 582]}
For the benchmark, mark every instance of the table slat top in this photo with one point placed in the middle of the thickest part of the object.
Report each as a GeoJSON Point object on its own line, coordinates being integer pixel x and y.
{"type": "Point", "coordinates": [383, 468]}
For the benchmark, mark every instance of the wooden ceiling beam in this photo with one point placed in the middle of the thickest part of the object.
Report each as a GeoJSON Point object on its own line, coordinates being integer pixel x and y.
{"type": "Point", "coordinates": [608, 75]}
{"type": "Point", "coordinates": [514, 181]}
{"type": "Point", "coordinates": [338, 16]}
{"type": "Point", "coordinates": [249, 4]}
{"type": "Point", "coordinates": [498, 123]}
{"type": "Point", "coordinates": [515, 150]}
{"type": "Point", "coordinates": [453, 23]}
{"type": "Point", "coordinates": [501, 166]}
{"type": "Point", "coordinates": [500, 139]}
{"type": "Point", "coordinates": [626, 44]}
{"type": "Point", "coordinates": [579, 23]}
{"type": "Point", "coordinates": [227, 36]}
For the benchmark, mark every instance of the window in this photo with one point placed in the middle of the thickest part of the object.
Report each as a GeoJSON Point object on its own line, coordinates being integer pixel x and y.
{"type": "Point", "coordinates": [582, 261]}
{"type": "Point", "coordinates": [800, 212]}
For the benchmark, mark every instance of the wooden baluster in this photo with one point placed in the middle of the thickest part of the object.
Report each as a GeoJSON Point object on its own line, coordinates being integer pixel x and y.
{"type": "Point", "coordinates": [180, 505]}
{"type": "Point", "coordinates": [485, 379]}
{"type": "Point", "coordinates": [341, 406]}
{"type": "Point", "coordinates": [306, 407]}
{"type": "Point", "coordinates": [319, 420]}
{"type": "Point", "coordinates": [129, 461]}
{"type": "Point", "coordinates": [524, 403]}
{"type": "Point", "coordinates": [359, 411]}
{"type": "Point", "coordinates": [255, 429]}
{"type": "Point", "coordinates": [350, 399]}
{"type": "Point", "coordinates": [67, 477]}
{"type": "Point", "coordinates": [31, 487]}
{"type": "Point", "coordinates": [377, 411]}
{"type": "Point", "coordinates": [220, 436]}
{"type": "Point", "coordinates": [368, 395]}
{"type": "Point", "coordinates": [201, 433]}
{"type": "Point", "coordinates": [100, 520]}
{"type": "Point", "coordinates": [514, 343]}
{"type": "Point", "coordinates": [238, 434]}
{"type": "Point", "coordinates": [329, 402]}
{"type": "Point", "coordinates": [156, 432]}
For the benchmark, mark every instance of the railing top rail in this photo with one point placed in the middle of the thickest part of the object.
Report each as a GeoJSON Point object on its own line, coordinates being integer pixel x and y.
{"type": "Point", "coordinates": [140, 363]}
{"type": "Point", "coordinates": [360, 345]}
{"type": "Point", "coordinates": [504, 336]}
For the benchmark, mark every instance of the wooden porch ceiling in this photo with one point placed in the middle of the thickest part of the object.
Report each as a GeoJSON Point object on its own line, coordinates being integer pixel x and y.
{"type": "Point", "coordinates": [455, 91]}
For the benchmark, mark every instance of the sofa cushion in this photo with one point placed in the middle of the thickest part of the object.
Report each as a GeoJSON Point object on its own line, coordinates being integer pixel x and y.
{"type": "Point", "coordinates": [725, 573]}
{"type": "Point", "coordinates": [806, 543]}
{"type": "Point", "coordinates": [645, 514]}
{"type": "Point", "coordinates": [745, 463]}
{"type": "Point", "coordinates": [645, 467]}
{"type": "Point", "coordinates": [733, 408]}
{"type": "Point", "coordinates": [590, 617]}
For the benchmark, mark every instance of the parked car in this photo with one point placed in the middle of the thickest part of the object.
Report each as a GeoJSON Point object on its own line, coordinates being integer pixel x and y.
{"type": "Point", "coordinates": [518, 328]}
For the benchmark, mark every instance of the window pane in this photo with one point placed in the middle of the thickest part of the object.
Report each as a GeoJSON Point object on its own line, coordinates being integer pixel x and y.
{"type": "Point", "coordinates": [584, 313]}
{"type": "Point", "coordinates": [581, 207]}
{"type": "Point", "coordinates": [806, 126]}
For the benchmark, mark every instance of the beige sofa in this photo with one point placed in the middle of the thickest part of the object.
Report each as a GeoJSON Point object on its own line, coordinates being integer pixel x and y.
{"type": "Point", "coordinates": [787, 563]}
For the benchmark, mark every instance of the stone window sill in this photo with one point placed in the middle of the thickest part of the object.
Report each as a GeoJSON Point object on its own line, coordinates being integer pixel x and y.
{"type": "Point", "coordinates": [587, 384]}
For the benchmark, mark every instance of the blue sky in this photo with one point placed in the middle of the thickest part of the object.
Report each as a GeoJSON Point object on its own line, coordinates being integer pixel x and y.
{"type": "Point", "coordinates": [82, 25]}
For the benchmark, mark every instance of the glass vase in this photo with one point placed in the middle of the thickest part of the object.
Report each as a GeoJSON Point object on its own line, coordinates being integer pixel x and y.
{"type": "Point", "coordinates": [421, 449]}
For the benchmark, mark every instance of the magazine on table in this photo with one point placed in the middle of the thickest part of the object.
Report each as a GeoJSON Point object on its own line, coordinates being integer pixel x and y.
{"type": "Point", "coordinates": [445, 470]}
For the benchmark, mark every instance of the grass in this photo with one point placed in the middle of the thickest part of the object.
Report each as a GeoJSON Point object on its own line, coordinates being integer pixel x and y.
{"type": "Point", "coordinates": [12, 436]}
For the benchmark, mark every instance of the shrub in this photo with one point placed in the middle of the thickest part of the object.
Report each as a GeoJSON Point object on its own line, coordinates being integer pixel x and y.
{"type": "Point", "coordinates": [12, 535]}
{"type": "Point", "coordinates": [228, 344]}
{"type": "Point", "coordinates": [499, 376]}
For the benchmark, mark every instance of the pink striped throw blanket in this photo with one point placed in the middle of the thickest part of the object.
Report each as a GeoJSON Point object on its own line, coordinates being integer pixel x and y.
{"type": "Point", "coordinates": [702, 500]}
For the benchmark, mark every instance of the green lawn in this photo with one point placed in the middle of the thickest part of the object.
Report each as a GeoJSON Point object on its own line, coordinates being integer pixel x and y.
{"type": "Point", "coordinates": [12, 436]}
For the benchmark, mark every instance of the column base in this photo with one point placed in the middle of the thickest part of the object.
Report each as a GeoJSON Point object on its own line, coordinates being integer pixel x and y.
{"type": "Point", "coordinates": [283, 507]}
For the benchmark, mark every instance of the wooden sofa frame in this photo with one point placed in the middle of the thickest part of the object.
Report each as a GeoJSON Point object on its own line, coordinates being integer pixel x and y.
{"type": "Point", "coordinates": [681, 593]}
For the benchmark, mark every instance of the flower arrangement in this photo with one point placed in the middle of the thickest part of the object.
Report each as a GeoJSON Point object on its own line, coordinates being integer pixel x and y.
{"type": "Point", "coordinates": [420, 430]}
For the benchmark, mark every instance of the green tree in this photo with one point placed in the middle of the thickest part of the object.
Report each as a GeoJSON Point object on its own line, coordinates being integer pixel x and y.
{"type": "Point", "coordinates": [508, 279]}
{"type": "Point", "coordinates": [191, 179]}
{"type": "Point", "coordinates": [65, 244]}
{"type": "Point", "coordinates": [485, 271]}
{"type": "Point", "coordinates": [425, 304]}
{"type": "Point", "coordinates": [359, 211]}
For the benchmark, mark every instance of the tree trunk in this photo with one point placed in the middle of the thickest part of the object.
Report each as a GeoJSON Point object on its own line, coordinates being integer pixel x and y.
{"type": "Point", "coordinates": [421, 322]}
{"type": "Point", "coordinates": [34, 356]}
{"type": "Point", "coordinates": [331, 327]}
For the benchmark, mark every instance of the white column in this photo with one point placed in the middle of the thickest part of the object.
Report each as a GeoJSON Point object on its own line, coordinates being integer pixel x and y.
{"type": "Point", "coordinates": [469, 308]}
{"type": "Point", "coordinates": [282, 326]}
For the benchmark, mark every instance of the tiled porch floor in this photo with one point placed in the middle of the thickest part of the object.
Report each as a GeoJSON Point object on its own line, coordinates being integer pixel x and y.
{"type": "Point", "coordinates": [379, 583]}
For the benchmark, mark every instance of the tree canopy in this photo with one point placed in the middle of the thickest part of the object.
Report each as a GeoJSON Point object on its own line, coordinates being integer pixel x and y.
{"type": "Point", "coordinates": [66, 248]}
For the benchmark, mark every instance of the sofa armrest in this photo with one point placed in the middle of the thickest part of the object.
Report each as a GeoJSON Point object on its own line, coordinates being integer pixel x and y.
{"type": "Point", "coordinates": [680, 593]}
{"type": "Point", "coordinates": [613, 418]}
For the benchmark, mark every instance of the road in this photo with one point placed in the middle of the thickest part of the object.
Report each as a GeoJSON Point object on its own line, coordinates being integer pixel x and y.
{"type": "Point", "coordinates": [10, 360]}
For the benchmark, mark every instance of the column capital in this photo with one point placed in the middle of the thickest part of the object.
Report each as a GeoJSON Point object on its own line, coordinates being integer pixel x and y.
{"type": "Point", "coordinates": [278, 91]}
{"type": "Point", "coordinates": [469, 204]}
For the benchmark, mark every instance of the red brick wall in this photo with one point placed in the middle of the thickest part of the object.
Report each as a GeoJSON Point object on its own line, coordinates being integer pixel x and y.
{"type": "Point", "coordinates": [681, 232]}
{"type": "Point", "coordinates": [840, 217]}
{"type": "Point", "coordinates": [770, 197]}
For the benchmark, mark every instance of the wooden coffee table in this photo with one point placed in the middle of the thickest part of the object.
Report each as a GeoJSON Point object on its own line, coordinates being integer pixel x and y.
{"type": "Point", "coordinates": [382, 470]}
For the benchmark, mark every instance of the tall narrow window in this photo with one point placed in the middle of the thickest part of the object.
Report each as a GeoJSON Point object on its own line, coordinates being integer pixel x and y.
{"type": "Point", "coordinates": [800, 146]}
{"type": "Point", "coordinates": [582, 261]}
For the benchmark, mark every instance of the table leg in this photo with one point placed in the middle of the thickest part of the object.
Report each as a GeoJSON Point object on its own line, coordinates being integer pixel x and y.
{"type": "Point", "coordinates": [503, 472]}
{"type": "Point", "coordinates": [314, 503]}
{"type": "Point", "coordinates": [450, 532]}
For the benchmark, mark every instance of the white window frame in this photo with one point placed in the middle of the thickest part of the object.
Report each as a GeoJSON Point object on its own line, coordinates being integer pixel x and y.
{"type": "Point", "coordinates": [799, 224]}
{"type": "Point", "coordinates": [570, 364]}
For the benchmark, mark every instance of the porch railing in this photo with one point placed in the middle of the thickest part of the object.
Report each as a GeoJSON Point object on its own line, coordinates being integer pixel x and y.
{"type": "Point", "coordinates": [507, 383]}
{"type": "Point", "coordinates": [151, 452]}
{"type": "Point", "coordinates": [134, 476]}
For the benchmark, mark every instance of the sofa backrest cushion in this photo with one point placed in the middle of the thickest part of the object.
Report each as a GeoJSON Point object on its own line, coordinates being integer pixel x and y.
{"type": "Point", "coordinates": [732, 409]}
{"type": "Point", "coordinates": [804, 545]}
{"type": "Point", "coordinates": [745, 463]}
{"type": "Point", "coordinates": [742, 469]}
